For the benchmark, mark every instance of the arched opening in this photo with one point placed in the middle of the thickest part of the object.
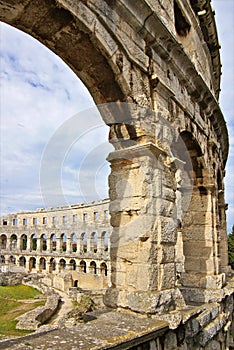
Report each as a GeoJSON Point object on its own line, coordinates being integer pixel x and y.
{"type": "Point", "coordinates": [12, 260]}
{"type": "Point", "coordinates": [103, 269]}
{"type": "Point", "coordinates": [83, 243]}
{"type": "Point", "coordinates": [53, 241]}
{"type": "Point", "coordinates": [23, 242]}
{"type": "Point", "coordinates": [196, 228]}
{"type": "Point", "coordinates": [13, 242]}
{"type": "Point", "coordinates": [34, 242]}
{"type": "Point", "coordinates": [72, 264]}
{"type": "Point", "coordinates": [104, 241]}
{"type": "Point", "coordinates": [93, 62]}
{"type": "Point", "coordinates": [52, 265]}
{"type": "Point", "coordinates": [62, 264]}
{"type": "Point", "coordinates": [93, 268]}
{"type": "Point", "coordinates": [42, 264]}
{"type": "Point", "coordinates": [32, 263]}
{"type": "Point", "coordinates": [64, 242]}
{"type": "Point", "coordinates": [3, 241]}
{"type": "Point", "coordinates": [43, 242]}
{"type": "Point", "coordinates": [74, 242]}
{"type": "Point", "coordinates": [22, 261]}
{"type": "Point", "coordinates": [76, 283]}
{"type": "Point", "coordinates": [83, 266]}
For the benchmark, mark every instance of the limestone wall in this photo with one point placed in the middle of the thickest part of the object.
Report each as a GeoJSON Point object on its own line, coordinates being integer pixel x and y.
{"type": "Point", "coordinates": [58, 240]}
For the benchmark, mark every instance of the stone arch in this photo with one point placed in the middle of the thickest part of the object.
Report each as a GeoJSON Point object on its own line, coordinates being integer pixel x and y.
{"type": "Point", "coordinates": [103, 269]}
{"type": "Point", "coordinates": [72, 264]}
{"type": "Point", "coordinates": [43, 242]}
{"type": "Point", "coordinates": [3, 241]}
{"type": "Point", "coordinates": [93, 267]}
{"type": "Point", "coordinates": [33, 241]}
{"type": "Point", "coordinates": [104, 241]}
{"type": "Point", "coordinates": [22, 261]}
{"type": "Point", "coordinates": [199, 238]}
{"type": "Point", "coordinates": [63, 242]}
{"type": "Point", "coordinates": [13, 241]}
{"type": "Point", "coordinates": [75, 283]}
{"type": "Point", "coordinates": [52, 264]}
{"type": "Point", "coordinates": [96, 62]}
{"type": "Point", "coordinates": [23, 242]}
{"type": "Point", "coordinates": [12, 260]}
{"type": "Point", "coordinates": [83, 267]}
{"type": "Point", "coordinates": [42, 264]}
{"type": "Point", "coordinates": [62, 264]}
{"type": "Point", "coordinates": [96, 58]}
{"type": "Point", "coordinates": [74, 242]}
{"type": "Point", "coordinates": [83, 242]}
{"type": "Point", "coordinates": [53, 242]}
{"type": "Point", "coordinates": [32, 263]}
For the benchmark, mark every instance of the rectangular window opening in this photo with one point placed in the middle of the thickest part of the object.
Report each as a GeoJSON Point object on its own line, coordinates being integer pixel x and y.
{"type": "Point", "coordinates": [15, 222]}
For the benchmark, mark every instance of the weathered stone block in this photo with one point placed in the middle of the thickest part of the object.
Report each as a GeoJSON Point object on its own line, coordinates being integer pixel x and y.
{"type": "Point", "coordinates": [204, 318]}
{"type": "Point", "coordinates": [167, 276]}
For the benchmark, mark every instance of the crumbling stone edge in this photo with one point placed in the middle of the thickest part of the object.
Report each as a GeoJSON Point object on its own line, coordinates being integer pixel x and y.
{"type": "Point", "coordinates": [33, 319]}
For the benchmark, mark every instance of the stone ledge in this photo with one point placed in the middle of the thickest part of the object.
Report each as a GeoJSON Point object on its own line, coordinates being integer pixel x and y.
{"type": "Point", "coordinates": [33, 319]}
{"type": "Point", "coordinates": [112, 330]}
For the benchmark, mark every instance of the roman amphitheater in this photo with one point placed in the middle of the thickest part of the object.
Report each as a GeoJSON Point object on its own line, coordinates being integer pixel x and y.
{"type": "Point", "coordinates": [153, 68]}
{"type": "Point", "coordinates": [72, 238]}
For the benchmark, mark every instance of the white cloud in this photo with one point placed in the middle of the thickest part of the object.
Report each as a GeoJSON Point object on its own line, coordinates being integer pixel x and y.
{"type": "Point", "coordinates": [38, 94]}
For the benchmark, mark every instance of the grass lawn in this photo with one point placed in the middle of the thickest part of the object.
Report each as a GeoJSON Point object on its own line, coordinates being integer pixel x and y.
{"type": "Point", "coordinates": [14, 301]}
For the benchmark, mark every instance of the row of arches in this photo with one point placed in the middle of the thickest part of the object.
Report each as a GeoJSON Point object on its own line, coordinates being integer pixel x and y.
{"type": "Point", "coordinates": [80, 243]}
{"type": "Point", "coordinates": [51, 264]}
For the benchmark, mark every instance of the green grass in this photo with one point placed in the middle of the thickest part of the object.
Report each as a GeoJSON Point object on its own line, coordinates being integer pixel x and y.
{"type": "Point", "coordinates": [11, 307]}
{"type": "Point", "coordinates": [18, 292]}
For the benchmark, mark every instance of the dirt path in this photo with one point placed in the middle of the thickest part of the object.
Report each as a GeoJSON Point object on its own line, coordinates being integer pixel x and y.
{"type": "Point", "coordinates": [66, 306]}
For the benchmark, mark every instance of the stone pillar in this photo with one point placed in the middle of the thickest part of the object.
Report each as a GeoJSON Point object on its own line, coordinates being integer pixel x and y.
{"type": "Point", "coordinates": [18, 243]}
{"type": "Point", "coordinates": [48, 245]}
{"type": "Point", "coordinates": [68, 243]}
{"type": "Point", "coordinates": [27, 267]}
{"type": "Point", "coordinates": [200, 246]}
{"type": "Point", "coordinates": [8, 244]}
{"type": "Point", "coordinates": [78, 244]}
{"type": "Point", "coordinates": [100, 244]}
{"type": "Point", "coordinates": [28, 243]}
{"type": "Point", "coordinates": [58, 244]}
{"type": "Point", "coordinates": [38, 264]}
{"type": "Point", "coordinates": [143, 217]}
{"type": "Point", "coordinates": [39, 248]}
{"type": "Point", "coordinates": [88, 242]}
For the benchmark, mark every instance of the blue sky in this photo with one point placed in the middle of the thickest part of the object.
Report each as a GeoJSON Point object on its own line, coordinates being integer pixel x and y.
{"type": "Point", "coordinates": [40, 94]}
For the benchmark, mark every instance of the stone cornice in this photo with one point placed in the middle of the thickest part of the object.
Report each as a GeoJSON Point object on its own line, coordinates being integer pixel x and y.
{"type": "Point", "coordinates": [136, 151]}
{"type": "Point", "coordinates": [206, 19]}
{"type": "Point", "coordinates": [156, 35]}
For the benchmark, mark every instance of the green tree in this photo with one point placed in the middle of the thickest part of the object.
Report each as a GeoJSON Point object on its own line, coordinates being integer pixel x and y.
{"type": "Point", "coordinates": [231, 248]}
